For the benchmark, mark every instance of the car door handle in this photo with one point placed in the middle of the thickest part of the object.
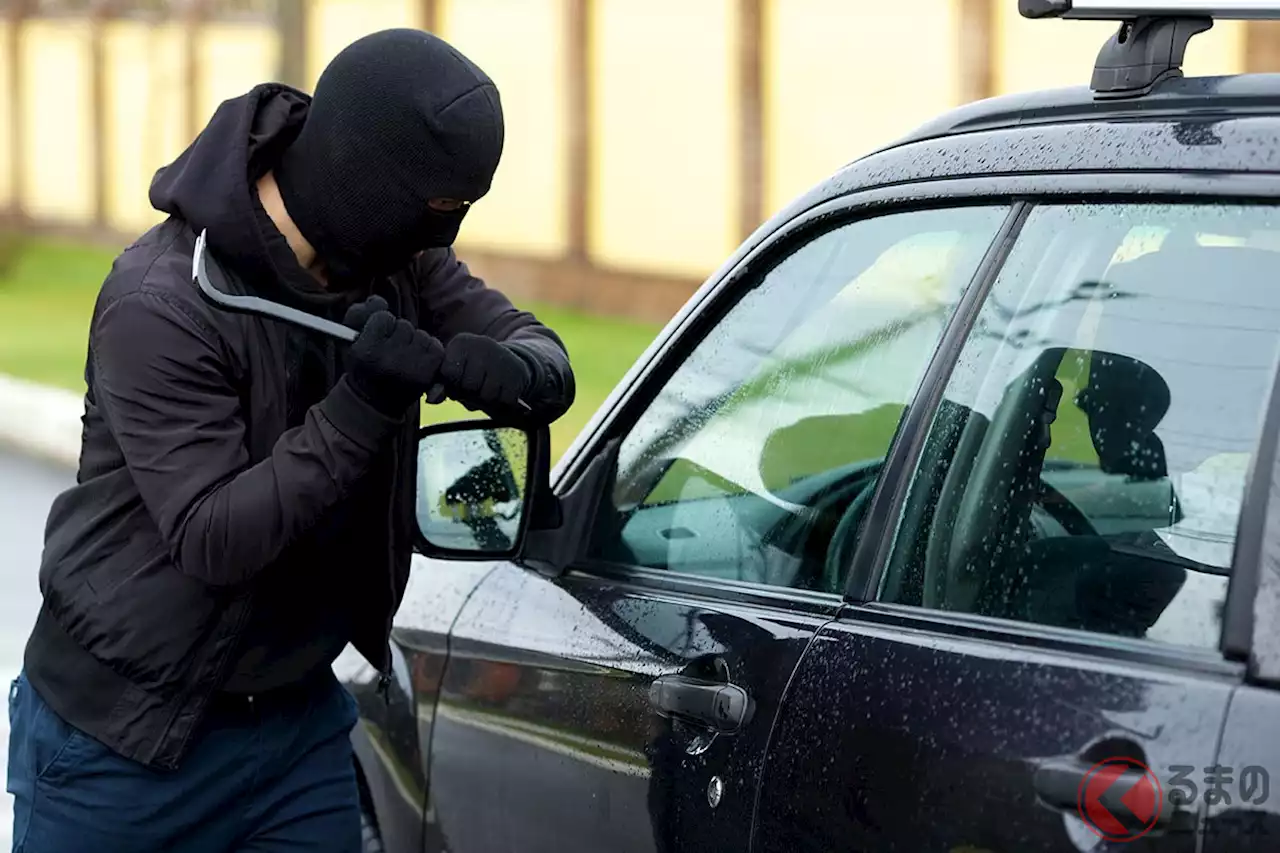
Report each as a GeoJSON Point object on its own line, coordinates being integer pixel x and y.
{"type": "Point", "coordinates": [716, 705]}
{"type": "Point", "coordinates": [1072, 786]}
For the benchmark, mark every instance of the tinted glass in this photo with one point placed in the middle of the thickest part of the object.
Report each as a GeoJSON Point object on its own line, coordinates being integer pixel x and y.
{"type": "Point", "coordinates": [772, 432]}
{"type": "Point", "coordinates": [1087, 466]}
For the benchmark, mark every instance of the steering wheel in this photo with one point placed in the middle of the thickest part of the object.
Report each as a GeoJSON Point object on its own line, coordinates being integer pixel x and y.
{"type": "Point", "coordinates": [982, 500]}
{"type": "Point", "coordinates": [812, 534]}
{"type": "Point", "coordinates": [1063, 511]}
{"type": "Point", "coordinates": [844, 541]}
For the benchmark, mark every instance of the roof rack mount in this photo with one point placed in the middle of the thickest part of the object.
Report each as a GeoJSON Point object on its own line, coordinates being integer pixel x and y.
{"type": "Point", "coordinates": [1151, 43]}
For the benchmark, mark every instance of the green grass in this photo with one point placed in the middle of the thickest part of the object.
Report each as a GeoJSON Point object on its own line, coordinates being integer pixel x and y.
{"type": "Point", "coordinates": [48, 287]}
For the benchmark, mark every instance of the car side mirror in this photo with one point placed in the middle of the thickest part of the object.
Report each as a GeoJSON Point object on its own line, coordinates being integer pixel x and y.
{"type": "Point", "coordinates": [477, 484]}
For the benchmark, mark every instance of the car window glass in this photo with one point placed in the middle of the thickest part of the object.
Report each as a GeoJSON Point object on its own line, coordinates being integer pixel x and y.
{"type": "Point", "coordinates": [755, 449]}
{"type": "Point", "coordinates": [1087, 465]}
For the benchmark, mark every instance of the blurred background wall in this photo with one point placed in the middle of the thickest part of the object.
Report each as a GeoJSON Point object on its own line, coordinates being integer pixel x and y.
{"type": "Point", "coordinates": [645, 138]}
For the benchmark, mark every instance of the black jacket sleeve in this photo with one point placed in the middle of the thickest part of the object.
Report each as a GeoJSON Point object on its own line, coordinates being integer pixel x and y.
{"type": "Point", "coordinates": [164, 390]}
{"type": "Point", "coordinates": [452, 300]}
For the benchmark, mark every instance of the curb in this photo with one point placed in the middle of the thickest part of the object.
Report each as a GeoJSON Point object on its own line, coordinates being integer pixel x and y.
{"type": "Point", "coordinates": [38, 420]}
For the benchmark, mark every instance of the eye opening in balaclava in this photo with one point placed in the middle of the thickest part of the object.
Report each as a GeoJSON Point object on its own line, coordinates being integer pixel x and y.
{"type": "Point", "coordinates": [399, 118]}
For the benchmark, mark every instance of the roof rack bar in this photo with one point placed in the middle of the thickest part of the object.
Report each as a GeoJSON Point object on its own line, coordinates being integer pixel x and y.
{"type": "Point", "coordinates": [1125, 10]}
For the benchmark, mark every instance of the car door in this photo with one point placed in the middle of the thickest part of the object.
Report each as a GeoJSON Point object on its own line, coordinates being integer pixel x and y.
{"type": "Point", "coordinates": [1031, 657]}
{"type": "Point", "coordinates": [393, 736]}
{"type": "Point", "coordinates": [625, 704]}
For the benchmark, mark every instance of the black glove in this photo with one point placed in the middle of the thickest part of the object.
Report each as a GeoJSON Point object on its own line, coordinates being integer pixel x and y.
{"type": "Point", "coordinates": [359, 313]}
{"type": "Point", "coordinates": [484, 374]}
{"type": "Point", "coordinates": [392, 363]}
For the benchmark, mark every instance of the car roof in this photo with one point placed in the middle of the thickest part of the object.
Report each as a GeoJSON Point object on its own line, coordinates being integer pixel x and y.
{"type": "Point", "coordinates": [1224, 123]}
{"type": "Point", "coordinates": [1177, 98]}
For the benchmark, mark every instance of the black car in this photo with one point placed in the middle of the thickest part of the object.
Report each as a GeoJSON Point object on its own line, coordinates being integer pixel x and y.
{"type": "Point", "coordinates": [944, 517]}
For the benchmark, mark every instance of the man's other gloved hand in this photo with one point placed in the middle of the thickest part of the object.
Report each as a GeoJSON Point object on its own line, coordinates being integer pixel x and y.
{"type": "Point", "coordinates": [391, 363]}
{"type": "Point", "coordinates": [484, 374]}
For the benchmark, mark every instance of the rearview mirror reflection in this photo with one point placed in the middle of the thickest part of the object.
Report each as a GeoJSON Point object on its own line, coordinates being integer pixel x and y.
{"type": "Point", "coordinates": [473, 484]}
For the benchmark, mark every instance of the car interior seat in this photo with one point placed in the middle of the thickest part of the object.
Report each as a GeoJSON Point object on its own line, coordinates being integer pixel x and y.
{"type": "Point", "coordinates": [1081, 581]}
{"type": "Point", "coordinates": [1160, 312]}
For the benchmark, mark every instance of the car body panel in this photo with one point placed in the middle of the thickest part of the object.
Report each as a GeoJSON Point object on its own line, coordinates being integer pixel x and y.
{"type": "Point", "coordinates": [545, 739]}
{"type": "Point", "coordinates": [1215, 96]}
{"type": "Point", "coordinates": [1247, 818]}
{"type": "Point", "coordinates": [905, 737]}
{"type": "Point", "coordinates": [1043, 131]}
{"type": "Point", "coordinates": [392, 739]}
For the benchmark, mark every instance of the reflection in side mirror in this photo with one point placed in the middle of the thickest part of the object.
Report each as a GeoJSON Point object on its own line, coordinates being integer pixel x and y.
{"type": "Point", "coordinates": [473, 489]}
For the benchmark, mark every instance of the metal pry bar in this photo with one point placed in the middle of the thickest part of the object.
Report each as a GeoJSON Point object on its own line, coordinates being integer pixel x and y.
{"type": "Point", "coordinates": [241, 304]}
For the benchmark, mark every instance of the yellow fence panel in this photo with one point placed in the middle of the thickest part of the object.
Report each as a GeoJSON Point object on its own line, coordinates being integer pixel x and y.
{"type": "Point", "coordinates": [1031, 54]}
{"type": "Point", "coordinates": [839, 84]}
{"type": "Point", "coordinates": [143, 115]}
{"type": "Point", "coordinates": [521, 45]}
{"type": "Point", "coordinates": [334, 24]}
{"type": "Point", "coordinates": [6, 121]}
{"type": "Point", "coordinates": [664, 113]}
{"type": "Point", "coordinates": [663, 78]}
{"type": "Point", "coordinates": [233, 58]}
{"type": "Point", "coordinates": [56, 120]}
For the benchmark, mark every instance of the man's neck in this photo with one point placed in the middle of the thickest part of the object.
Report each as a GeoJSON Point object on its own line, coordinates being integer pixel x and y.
{"type": "Point", "coordinates": [273, 204]}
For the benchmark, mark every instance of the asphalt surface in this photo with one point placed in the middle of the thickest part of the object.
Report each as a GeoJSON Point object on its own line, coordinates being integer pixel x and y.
{"type": "Point", "coordinates": [26, 489]}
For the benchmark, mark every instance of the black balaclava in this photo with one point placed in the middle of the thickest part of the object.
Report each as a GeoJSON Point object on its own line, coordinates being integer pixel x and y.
{"type": "Point", "coordinates": [398, 117]}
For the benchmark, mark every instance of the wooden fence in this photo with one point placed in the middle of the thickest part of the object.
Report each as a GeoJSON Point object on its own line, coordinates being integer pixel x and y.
{"type": "Point", "coordinates": [645, 138]}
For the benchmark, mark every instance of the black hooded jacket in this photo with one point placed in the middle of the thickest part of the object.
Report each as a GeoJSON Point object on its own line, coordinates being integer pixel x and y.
{"type": "Point", "coordinates": [240, 514]}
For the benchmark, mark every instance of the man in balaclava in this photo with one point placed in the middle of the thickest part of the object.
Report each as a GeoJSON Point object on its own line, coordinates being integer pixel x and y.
{"type": "Point", "coordinates": [244, 505]}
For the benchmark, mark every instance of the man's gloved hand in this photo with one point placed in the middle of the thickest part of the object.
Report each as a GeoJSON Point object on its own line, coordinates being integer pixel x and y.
{"type": "Point", "coordinates": [484, 374]}
{"type": "Point", "coordinates": [391, 363]}
{"type": "Point", "coordinates": [359, 313]}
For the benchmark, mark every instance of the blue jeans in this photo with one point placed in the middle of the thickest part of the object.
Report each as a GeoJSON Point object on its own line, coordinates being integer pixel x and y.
{"type": "Point", "coordinates": [267, 779]}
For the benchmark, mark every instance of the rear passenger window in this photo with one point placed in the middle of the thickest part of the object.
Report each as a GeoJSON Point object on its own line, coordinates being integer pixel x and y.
{"type": "Point", "coordinates": [1087, 465]}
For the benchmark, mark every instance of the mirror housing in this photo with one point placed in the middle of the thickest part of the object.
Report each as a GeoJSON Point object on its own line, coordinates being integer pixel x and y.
{"type": "Point", "coordinates": [482, 485]}
{"type": "Point", "coordinates": [463, 481]}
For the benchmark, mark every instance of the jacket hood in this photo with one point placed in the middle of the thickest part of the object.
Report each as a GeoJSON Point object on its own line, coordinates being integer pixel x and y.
{"type": "Point", "coordinates": [212, 186]}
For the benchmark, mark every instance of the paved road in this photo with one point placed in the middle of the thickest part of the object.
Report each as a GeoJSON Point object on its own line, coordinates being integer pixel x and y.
{"type": "Point", "coordinates": [26, 489]}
